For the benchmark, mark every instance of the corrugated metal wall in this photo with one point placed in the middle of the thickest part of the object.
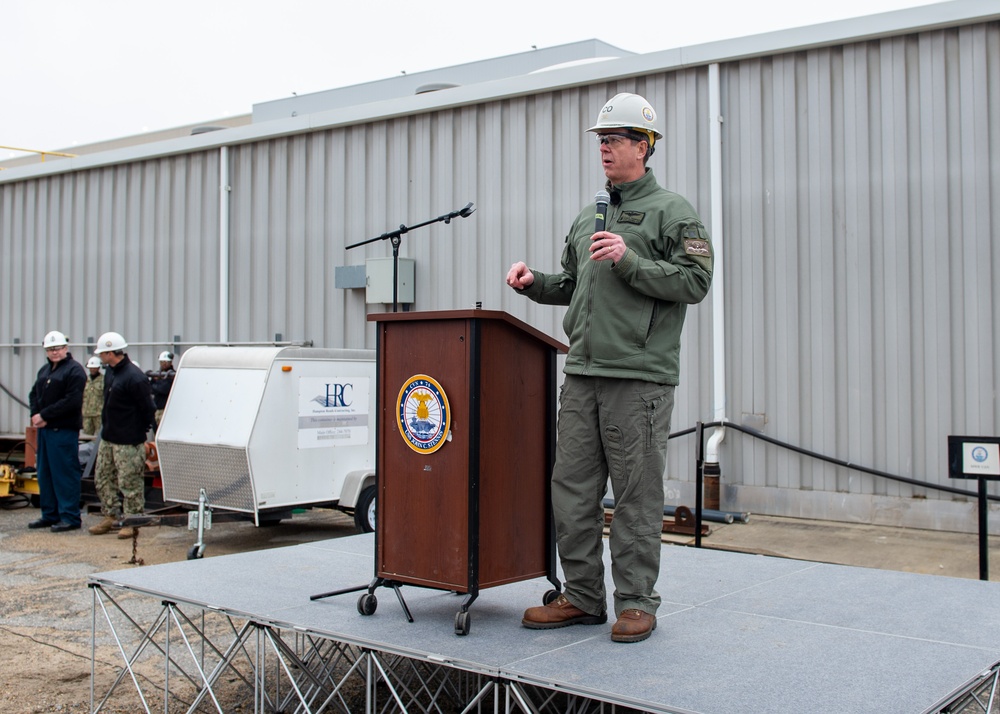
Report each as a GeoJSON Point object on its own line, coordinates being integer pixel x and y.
{"type": "Point", "coordinates": [131, 248]}
{"type": "Point", "coordinates": [862, 189]}
{"type": "Point", "coordinates": [860, 246]}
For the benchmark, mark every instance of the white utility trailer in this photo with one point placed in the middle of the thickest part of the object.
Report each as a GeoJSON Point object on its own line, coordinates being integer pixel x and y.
{"type": "Point", "coordinates": [263, 430]}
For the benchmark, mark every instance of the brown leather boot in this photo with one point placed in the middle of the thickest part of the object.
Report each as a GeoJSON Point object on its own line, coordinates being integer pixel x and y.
{"type": "Point", "coordinates": [103, 527]}
{"type": "Point", "coordinates": [559, 613]}
{"type": "Point", "coordinates": [633, 626]}
{"type": "Point", "coordinates": [126, 532]}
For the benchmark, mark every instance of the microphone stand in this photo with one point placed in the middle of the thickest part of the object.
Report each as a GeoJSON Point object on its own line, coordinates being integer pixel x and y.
{"type": "Point", "coordinates": [396, 237]}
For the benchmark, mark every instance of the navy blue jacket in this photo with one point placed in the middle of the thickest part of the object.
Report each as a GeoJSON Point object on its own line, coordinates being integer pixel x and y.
{"type": "Point", "coordinates": [58, 394]}
{"type": "Point", "coordinates": [128, 404]}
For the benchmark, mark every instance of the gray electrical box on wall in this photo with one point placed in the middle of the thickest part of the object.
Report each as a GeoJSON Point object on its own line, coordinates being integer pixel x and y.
{"type": "Point", "coordinates": [378, 280]}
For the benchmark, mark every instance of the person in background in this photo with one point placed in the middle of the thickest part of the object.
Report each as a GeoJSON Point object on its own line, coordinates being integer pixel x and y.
{"type": "Point", "coordinates": [125, 420]}
{"type": "Point", "coordinates": [627, 287]}
{"type": "Point", "coordinates": [56, 402]}
{"type": "Point", "coordinates": [161, 382]}
{"type": "Point", "coordinates": [93, 397]}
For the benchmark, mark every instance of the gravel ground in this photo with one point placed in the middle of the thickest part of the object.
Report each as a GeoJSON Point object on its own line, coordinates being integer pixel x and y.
{"type": "Point", "coordinates": [46, 608]}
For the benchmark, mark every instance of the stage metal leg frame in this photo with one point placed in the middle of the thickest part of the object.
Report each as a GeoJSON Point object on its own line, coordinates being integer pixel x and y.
{"type": "Point", "coordinates": [207, 659]}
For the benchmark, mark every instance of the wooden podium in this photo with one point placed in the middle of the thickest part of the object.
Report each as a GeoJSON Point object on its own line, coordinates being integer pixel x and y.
{"type": "Point", "coordinates": [466, 413]}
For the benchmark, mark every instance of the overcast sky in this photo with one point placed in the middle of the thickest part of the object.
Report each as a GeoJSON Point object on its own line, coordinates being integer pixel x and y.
{"type": "Point", "coordinates": [77, 72]}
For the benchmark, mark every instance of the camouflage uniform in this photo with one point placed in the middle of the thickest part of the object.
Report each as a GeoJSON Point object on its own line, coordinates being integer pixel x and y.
{"type": "Point", "coordinates": [121, 467]}
{"type": "Point", "coordinates": [128, 413]}
{"type": "Point", "coordinates": [93, 402]}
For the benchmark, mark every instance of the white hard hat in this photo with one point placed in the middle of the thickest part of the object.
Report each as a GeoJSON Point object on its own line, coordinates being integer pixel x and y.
{"type": "Point", "coordinates": [628, 111]}
{"type": "Point", "coordinates": [110, 342]}
{"type": "Point", "coordinates": [166, 356]}
{"type": "Point", "coordinates": [54, 339]}
{"type": "Point", "coordinates": [94, 362]}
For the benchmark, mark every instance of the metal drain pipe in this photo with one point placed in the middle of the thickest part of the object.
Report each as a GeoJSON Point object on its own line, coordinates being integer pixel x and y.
{"type": "Point", "coordinates": [712, 471]}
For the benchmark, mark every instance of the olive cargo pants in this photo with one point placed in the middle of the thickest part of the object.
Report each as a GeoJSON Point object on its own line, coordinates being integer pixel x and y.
{"type": "Point", "coordinates": [617, 428]}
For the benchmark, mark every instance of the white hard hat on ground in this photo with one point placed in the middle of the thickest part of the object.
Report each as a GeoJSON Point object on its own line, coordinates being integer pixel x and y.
{"type": "Point", "coordinates": [110, 342]}
{"type": "Point", "coordinates": [94, 363]}
{"type": "Point", "coordinates": [54, 339]}
{"type": "Point", "coordinates": [628, 111]}
{"type": "Point", "coordinates": [166, 357]}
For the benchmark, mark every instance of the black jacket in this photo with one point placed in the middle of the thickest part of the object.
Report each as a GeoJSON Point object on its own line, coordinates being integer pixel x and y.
{"type": "Point", "coordinates": [58, 394]}
{"type": "Point", "coordinates": [128, 404]}
{"type": "Point", "coordinates": [160, 383]}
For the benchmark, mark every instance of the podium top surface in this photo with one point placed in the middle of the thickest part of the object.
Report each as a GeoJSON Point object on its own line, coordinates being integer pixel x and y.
{"type": "Point", "coordinates": [469, 315]}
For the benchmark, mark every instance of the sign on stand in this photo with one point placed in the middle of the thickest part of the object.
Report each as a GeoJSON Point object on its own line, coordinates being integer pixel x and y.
{"type": "Point", "coordinates": [977, 457]}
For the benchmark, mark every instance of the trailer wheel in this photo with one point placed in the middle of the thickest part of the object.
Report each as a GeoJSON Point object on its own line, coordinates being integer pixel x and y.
{"type": "Point", "coordinates": [364, 511]}
{"type": "Point", "coordinates": [195, 552]}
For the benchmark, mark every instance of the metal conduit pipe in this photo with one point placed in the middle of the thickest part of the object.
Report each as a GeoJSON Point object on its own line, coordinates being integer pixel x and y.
{"type": "Point", "coordinates": [224, 288]}
{"type": "Point", "coordinates": [707, 514]}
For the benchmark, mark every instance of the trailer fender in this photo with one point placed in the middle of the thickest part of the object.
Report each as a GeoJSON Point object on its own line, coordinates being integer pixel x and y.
{"type": "Point", "coordinates": [354, 483]}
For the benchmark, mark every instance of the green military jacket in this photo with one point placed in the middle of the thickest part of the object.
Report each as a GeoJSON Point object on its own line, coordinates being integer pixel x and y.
{"type": "Point", "coordinates": [93, 396]}
{"type": "Point", "coordinates": [624, 320]}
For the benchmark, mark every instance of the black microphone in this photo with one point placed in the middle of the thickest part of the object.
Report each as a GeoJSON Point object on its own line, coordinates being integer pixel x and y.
{"type": "Point", "coordinates": [602, 199]}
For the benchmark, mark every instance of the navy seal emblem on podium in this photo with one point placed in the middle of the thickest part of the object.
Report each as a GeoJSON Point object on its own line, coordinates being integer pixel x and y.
{"type": "Point", "coordinates": [423, 414]}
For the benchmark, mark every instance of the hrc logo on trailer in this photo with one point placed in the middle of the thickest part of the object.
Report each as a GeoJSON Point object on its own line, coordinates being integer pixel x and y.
{"type": "Point", "coordinates": [423, 414]}
{"type": "Point", "coordinates": [336, 395]}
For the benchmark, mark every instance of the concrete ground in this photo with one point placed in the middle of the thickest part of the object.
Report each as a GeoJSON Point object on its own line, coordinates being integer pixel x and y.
{"type": "Point", "coordinates": [883, 547]}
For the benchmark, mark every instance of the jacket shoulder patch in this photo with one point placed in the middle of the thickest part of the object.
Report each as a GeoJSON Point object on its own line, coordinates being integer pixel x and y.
{"type": "Point", "coordinates": [697, 246]}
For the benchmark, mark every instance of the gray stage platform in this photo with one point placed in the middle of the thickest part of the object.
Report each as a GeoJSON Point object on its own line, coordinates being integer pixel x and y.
{"type": "Point", "coordinates": [735, 632]}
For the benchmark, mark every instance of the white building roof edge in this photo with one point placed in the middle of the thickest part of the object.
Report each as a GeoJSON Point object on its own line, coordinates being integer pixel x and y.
{"type": "Point", "coordinates": [888, 24]}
